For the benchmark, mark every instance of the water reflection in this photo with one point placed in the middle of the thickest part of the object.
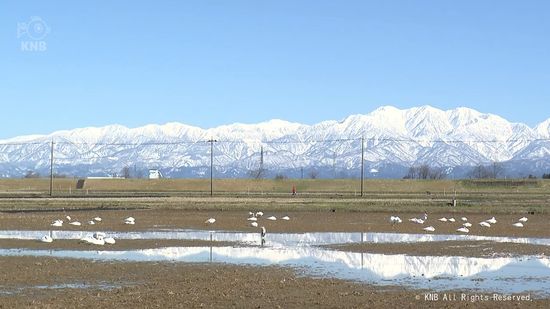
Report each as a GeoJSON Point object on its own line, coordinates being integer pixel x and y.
{"type": "Point", "coordinates": [276, 239]}
{"type": "Point", "coordinates": [506, 275]}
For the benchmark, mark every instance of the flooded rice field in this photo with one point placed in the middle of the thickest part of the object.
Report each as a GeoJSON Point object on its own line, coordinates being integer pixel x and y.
{"type": "Point", "coordinates": [405, 263]}
{"type": "Point", "coordinates": [303, 251]}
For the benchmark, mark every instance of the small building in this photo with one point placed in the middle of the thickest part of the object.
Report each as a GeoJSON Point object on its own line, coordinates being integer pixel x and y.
{"type": "Point", "coordinates": [155, 174]}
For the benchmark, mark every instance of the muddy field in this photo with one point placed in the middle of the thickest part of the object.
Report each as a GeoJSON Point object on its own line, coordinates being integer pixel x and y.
{"type": "Point", "coordinates": [55, 282]}
{"type": "Point", "coordinates": [178, 285]}
{"type": "Point", "coordinates": [310, 221]}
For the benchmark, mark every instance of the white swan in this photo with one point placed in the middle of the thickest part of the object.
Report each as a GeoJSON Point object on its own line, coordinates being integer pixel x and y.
{"type": "Point", "coordinates": [416, 220]}
{"type": "Point", "coordinates": [254, 224]}
{"type": "Point", "coordinates": [467, 224]}
{"type": "Point", "coordinates": [442, 219]}
{"type": "Point", "coordinates": [76, 223]}
{"type": "Point", "coordinates": [452, 220]}
{"type": "Point", "coordinates": [210, 221]}
{"type": "Point", "coordinates": [518, 224]}
{"type": "Point", "coordinates": [252, 219]}
{"type": "Point", "coordinates": [57, 223]}
{"type": "Point", "coordinates": [463, 230]}
{"type": "Point", "coordinates": [93, 241]}
{"type": "Point", "coordinates": [492, 220]}
{"type": "Point", "coordinates": [130, 220]}
{"type": "Point", "coordinates": [429, 229]}
{"type": "Point", "coordinates": [68, 218]}
{"type": "Point", "coordinates": [272, 218]}
{"type": "Point", "coordinates": [259, 214]}
{"type": "Point", "coordinates": [485, 224]}
{"type": "Point", "coordinates": [91, 222]}
{"type": "Point", "coordinates": [464, 219]}
{"type": "Point", "coordinates": [395, 220]}
{"type": "Point", "coordinates": [523, 219]}
{"type": "Point", "coordinates": [286, 218]}
{"type": "Point", "coordinates": [109, 240]}
{"type": "Point", "coordinates": [98, 219]}
{"type": "Point", "coordinates": [46, 238]}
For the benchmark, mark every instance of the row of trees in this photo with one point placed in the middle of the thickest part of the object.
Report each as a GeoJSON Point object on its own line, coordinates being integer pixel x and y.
{"type": "Point", "coordinates": [425, 172]}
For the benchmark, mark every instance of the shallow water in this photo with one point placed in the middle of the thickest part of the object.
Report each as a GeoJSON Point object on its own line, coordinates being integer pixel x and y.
{"type": "Point", "coordinates": [80, 285]}
{"type": "Point", "coordinates": [505, 275]}
{"type": "Point", "coordinates": [276, 239]}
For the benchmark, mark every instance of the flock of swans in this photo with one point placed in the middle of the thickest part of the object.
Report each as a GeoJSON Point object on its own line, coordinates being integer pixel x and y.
{"type": "Point", "coordinates": [97, 238]}
{"type": "Point", "coordinates": [465, 228]}
{"type": "Point", "coordinates": [100, 238]}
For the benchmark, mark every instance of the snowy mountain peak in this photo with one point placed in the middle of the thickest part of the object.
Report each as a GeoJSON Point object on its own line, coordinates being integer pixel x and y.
{"type": "Point", "coordinates": [543, 128]}
{"type": "Point", "coordinates": [400, 138]}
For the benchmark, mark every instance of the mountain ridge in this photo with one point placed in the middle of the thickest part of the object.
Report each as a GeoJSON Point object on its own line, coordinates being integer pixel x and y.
{"type": "Point", "coordinates": [396, 138]}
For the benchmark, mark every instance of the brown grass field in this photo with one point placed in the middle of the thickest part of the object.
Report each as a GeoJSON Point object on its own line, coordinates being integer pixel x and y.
{"type": "Point", "coordinates": [474, 196]}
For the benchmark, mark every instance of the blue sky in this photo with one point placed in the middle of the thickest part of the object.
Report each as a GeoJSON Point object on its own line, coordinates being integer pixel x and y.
{"type": "Point", "coordinates": [208, 63]}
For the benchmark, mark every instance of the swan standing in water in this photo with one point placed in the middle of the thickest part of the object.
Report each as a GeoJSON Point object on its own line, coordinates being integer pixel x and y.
{"type": "Point", "coordinates": [484, 224]}
{"type": "Point", "coordinates": [46, 238]}
{"type": "Point", "coordinates": [492, 220]}
{"type": "Point", "coordinates": [463, 230]}
{"type": "Point", "coordinates": [210, 221]}
{"type": "Point", "coordinates": [523, 219]}
{"type": "Point", "coordinates": [286, 218]}
{"type": "Point", "coordinates": [254, 224]}
{"type": "Point", "coordinates": [130, 220]}
{"type": "Point", "coordinates": [75, 223]}
{"type": "Point", "coordinates": [518, 224]}
{"type": "Point", "coordinates": [272, 218]}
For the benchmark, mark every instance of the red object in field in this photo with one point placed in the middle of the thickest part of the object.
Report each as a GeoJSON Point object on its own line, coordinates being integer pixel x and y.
{"type": "Point", "coordinates": [293, 190]}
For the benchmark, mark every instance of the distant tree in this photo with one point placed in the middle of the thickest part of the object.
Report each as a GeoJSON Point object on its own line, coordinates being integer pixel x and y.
{"type": "Point", "coordinates": [424, 171]}
{"type": "Point", "coordinates": [32, 174]}
{"type": "Point", "coordinates": [437, 173]}
{"type": "Point", "coordinates": [258, 173]}
{"type": "Point", "coordinates": [313, 174]}
{"type": "Point", "coordinates": [545, 176]}
{"type": "Point", "coordinates": [125, 172]}
{"type": "Point", "coordinates": [496, 169]}
{"type": "Point", "coordinates": [480, 172]}
{"type": "Point", "coordinates": [493, 170]}
{"type": "Point", "coordinates": [280, 177]}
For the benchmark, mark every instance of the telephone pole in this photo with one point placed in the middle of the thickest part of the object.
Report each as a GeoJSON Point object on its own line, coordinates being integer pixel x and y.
{"type": "Point", "coordinates": [51, 168]}
{"type": "Point", "coordinates": [362, 162]}
{"type": "Point", "coordinates": [211, 141]}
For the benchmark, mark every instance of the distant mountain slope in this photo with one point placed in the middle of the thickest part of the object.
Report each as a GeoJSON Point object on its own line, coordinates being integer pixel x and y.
{"type": "Point", "coordinates": [395, 139]}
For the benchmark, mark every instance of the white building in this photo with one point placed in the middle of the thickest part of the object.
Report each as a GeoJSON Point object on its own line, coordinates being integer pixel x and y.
{"type": "Point", "coordinates": [155, 174]}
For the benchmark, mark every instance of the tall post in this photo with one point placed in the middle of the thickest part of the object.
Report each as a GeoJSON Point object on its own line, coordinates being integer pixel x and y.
{"type": "Point", "coordinates": [211, 141]}
{"type": "Point", "coordinates": [51, 168]}
{"type": "Point", "coordinates": [362, 162]}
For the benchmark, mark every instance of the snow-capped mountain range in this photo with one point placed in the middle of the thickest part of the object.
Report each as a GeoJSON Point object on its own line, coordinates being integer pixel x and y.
{"type": "Point", "coordinates": [394, 140]}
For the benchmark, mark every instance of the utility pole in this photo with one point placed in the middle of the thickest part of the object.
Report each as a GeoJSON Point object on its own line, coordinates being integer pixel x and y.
{"type": "Point", "coordinates": [211, 141]}
{"type": "Point", "coordinates": [51, 169]}
{"type": "Point", "coordinates": [362, 162]}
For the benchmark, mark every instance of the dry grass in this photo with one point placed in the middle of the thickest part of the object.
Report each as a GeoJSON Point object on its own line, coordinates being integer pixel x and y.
{"type": "Point", "coordinates": [321, 194]}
